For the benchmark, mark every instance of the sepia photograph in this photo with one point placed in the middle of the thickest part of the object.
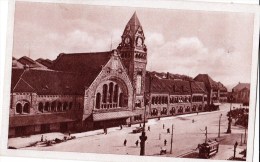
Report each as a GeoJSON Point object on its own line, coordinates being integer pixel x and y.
{"type": "Point", "coordinates": [132, 80]}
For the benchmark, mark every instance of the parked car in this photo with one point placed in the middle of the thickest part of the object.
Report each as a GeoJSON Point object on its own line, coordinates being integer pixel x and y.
{"type": "Point", "coordinates": [138, 130]}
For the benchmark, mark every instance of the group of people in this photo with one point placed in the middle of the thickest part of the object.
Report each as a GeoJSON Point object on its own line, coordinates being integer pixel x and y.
{"type": "Point", "coordinates": [136, 143]}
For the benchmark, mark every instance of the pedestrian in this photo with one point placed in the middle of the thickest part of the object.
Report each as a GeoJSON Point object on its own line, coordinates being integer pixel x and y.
{"type": "Point", "coordinates": [136, 143]}
{"type": "Point", "coordinates": [121, 127]}
{"type": "Point", "coordinates": [148, 128]}
{"type": "Point", "coordinates": [163, 126]}
{"type": "Point", "coordinates": [193, 120]}
{"type": "Point", "coordinates": [42, 138]}
{"type": "Point", "coordinates": [140, 125]}
{"type": "Point", "coordinates": [106, 130]}
{"type": "Point", "coordinates": [165, 142]}
{"type": "Point", "coordinates": [159, 136]}
{"type": "Point", "coordinates": [197, 113]}
{"type": "Point", "coordinates": [168, 130]}
{"type": "Point", "coordinates": [69, 133]}
{"type": "Point", "coordinates": [125, 141]}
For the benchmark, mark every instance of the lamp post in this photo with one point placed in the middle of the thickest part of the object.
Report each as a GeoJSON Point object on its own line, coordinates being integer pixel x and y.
{"type": "Point", "coordinates": [219, 125]}
{"type": "Point", "coordinates": [235, 147]}
{"type": "Point", "coordinates": [230, 118]}
{"type": "Point", "coordinates": [143, 137]}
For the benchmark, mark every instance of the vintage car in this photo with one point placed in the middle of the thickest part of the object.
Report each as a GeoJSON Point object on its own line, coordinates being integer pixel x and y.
{"type": "Point", "coordinates": [138, 130]}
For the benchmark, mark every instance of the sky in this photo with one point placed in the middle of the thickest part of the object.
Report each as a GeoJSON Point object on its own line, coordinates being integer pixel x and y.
{"type": "Point", "coordinates": [178, 41]}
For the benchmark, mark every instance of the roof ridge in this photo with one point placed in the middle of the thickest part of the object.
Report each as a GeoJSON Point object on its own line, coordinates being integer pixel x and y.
{"type": "Point", "coordinates": [85, 53]}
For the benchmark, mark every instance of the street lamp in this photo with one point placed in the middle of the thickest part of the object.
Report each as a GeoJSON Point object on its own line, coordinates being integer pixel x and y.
{"type": "Point", "coordinates": [219, 125]}
{"type": "Point", "coordinates": [230, 118]}
{"type": "Point", "coordinates": [235, 147]}
{"type": "Point", "coordinates": [143, 137]}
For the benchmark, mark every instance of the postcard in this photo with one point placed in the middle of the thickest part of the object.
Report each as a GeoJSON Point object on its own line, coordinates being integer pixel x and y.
{"type": "Point", "coordinates": [130, 81]}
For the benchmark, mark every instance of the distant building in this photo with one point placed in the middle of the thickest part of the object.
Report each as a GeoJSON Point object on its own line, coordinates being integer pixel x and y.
{"type": "Point", "coordinates": [223, 93]}
{"type": "Point", "coordinates": [86, 91]}
{"type": "Point", "coordinates": [167, 97]}
{"type": "Point", "coordinates": [216, 91]}
{"type": "Point", "coordinates": [241, 93]}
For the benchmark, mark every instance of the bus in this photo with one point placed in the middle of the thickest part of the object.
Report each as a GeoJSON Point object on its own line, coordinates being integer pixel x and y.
{"type": "Point", "coordinates": [208, 149]}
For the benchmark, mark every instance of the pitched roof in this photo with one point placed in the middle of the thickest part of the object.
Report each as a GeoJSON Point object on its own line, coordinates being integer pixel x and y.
{"type": "Point", "coordinates": [45, 62]}
{"type": "Point", "coordinates": [47, 82]}
{"type": "Point", "coordinates": [221, 87]}
{"type": "Point", "coordinates": [16, 64]}
{"type": "Point", "coordinates": [70, 74]}
{"type": "Point", "coordinates": [87, 63]}
{"type": "Point", "coordinates": [198, 87]}
{"type": "Point", "coordinates": [166, 85]}
{"type": "Point", "coordinates": [30, 62]}
{"type": "Point", "coordinates": [15, 76]}
{"type": "Point", "coordinates": [240, 86]}
{"type": "Point", "coordinates": [208, 81]}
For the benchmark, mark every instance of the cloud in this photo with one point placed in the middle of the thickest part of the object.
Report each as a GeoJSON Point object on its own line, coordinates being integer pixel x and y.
{"type": "Point", "coordinates": [154, 39]}
{"type": "Point", "coordinates": [188, 55]}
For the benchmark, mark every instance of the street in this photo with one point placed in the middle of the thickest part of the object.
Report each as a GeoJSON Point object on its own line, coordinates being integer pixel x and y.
{"type": "Point", "coordinates": [186, 136]}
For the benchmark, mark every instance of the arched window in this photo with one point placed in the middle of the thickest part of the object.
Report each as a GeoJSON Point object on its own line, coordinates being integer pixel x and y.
{"type": "Point", "coordinates": [138, 103]}
{"type": "Point", "coordinates": [111, 88]}
{"type": "Point", "coordinates": [26, 108]}
{"type": "Point", "coordinates": [104, 93]}
{"type": "Point", "coordinates": [98, 97]}
{"type": "Point", "coordinates": [46, 107]}
{"type": "Point", "coordinates": [116, 93]}
{"type": "Point", "coordinates": [59, 107]}
{"type": "Point", "coordinates": [121, 100]}
{"type": "Point", "coordinates": [194, 108]}
{"type": "Point", "coordinates": [138, 82]}
{"type": "Point", "coordinates": [187, 109]}
{"type": "Point", "coordinates": [180, 99]}
{"type": "Point", "coordinates": [70, 105]}
{"type": "Point", "coordinates": [19, 108]}
{"type": "Point", "coordinates": [163, 101]}
{"type": "Point", "coordinates": [200, 107]}
{"type": "Point", "coordinates": [173, 110]}
{"type": "Point", "coordinates": [40, 107]}
{"type": "Point", "coordinates": [53, 106]}
{"type": "Point", "coordinates": [153, 100]}
{"type": "Point", "coordinates": [157, 100]}
{"type": "Point", "coordinates": [65, 106]}
{"type": "Point", "coordinates": [160, 100]}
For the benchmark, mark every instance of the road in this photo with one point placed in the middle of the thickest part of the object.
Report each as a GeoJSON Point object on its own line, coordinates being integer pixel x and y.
{"type": "Point", "coordinates": [186, 136]}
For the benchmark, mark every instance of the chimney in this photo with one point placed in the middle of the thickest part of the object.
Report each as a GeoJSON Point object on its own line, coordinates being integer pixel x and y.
{"type": "Point", "coordinates": [168, 75]}
{"type": "Point", "coordinates": [26, 67]}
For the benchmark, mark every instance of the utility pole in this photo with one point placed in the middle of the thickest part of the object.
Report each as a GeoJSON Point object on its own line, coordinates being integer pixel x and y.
{"type": "Point", "coordinates": [171, 140]}
{"type": "Point", "coordinates": [219, 126]}
{"type": "Point", "coordinates": [206, 129]}
{"type": "Point", "coordinates": [245, 136]}
{"type": "Point", "coordinates": [241, 139]}
{"type": "Point", "coordinates": [230, 118]}
{"type": "Point", "coordinates": [143, 137]}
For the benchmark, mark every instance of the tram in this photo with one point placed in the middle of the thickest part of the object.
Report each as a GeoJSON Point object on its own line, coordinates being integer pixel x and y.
{"type": "Point", "coordinates": [208, 149]}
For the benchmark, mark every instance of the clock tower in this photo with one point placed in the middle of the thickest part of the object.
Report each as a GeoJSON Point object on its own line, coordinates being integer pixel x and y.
{"type": "Point", "coordinates": [133, 53]}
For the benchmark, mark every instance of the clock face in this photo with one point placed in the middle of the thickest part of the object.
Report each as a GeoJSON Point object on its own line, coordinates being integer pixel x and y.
{"type": "Point", "coordinates": [139, 41]}
{"type": "Point", "coordinates": [127, 40]}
